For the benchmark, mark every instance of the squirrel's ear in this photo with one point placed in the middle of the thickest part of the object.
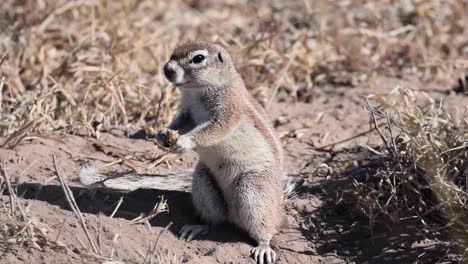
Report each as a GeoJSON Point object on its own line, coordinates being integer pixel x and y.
{"type": "Point", "coordinates": [220, 57]}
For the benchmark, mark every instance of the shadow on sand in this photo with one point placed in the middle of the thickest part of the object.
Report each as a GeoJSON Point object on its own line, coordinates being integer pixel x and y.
{"type": "Point", "coordinates": [135, 203]}
{"type": "Point", "coordinates": [337, 232]}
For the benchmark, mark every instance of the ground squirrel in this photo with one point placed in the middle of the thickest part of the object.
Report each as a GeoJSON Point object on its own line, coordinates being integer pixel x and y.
{"type": "Point", "coordinates": [240, 176]}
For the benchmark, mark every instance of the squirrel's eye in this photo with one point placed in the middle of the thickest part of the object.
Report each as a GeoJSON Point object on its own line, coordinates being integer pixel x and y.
{"type": "Point", "coordinates": [198, 59]}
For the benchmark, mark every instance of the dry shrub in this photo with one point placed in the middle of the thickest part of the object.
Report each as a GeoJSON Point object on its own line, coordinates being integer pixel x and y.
{"type": "Point", "coordinates": [420, 173]}
{"type": "Point", "coordinates": [97, 64]}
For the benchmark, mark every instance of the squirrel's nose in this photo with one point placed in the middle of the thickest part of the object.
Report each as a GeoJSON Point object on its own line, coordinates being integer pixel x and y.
{"type": "Point", "coordinates": [169, 73]}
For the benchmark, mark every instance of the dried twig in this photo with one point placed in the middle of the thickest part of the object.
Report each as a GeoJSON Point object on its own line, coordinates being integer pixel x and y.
{"type": "Point", "coordinates": [331, 145]}
{"type": "Point", "coordinates": [161, 100]}
{"type": "Point", "coordinates": [11, 192]}
{"type": "Point", "coordinates": [151, 251]}
{"type": "Point", "coordinates": [375, 111]}
{"type": "Point", "coordinates": [72, 203]}
{"type": "Point", "coordinates": [117, 207]}
{"type": "Point", "coordinates": [159, 207]}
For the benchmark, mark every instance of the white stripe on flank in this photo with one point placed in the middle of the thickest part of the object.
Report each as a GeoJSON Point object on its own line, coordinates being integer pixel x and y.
{"type": "Point", "coordinates": [265, 122]}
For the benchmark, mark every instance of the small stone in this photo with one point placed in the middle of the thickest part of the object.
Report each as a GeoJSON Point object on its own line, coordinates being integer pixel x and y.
{"type": "Point", "coordinates": [290, 221]}
{"type": "Point", "coordinates": [281, 120]}
{"type": "Point", "coordinates": [303, 206]}
{"type": "Point", "coordinates": [299, 205]}
{"type": "Point", "coordinates": [292, 212]}
{"type": "Point", "coordinates": [308, 209]}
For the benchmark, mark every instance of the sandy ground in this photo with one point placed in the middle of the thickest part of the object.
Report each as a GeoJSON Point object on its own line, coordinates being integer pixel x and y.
{"type": "Point", "coordinates": [315, 231]}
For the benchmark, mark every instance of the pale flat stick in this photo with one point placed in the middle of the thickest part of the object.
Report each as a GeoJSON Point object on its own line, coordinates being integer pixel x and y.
{"type": "Point", "coordinates": [181, 181]}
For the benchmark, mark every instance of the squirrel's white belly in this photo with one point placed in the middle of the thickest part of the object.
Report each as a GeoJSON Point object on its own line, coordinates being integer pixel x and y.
{"type": "Point", "coordinates": [245, 150]}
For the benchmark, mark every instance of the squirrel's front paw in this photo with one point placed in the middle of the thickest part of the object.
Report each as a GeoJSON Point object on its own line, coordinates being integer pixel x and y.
{"type": "Point", "coordinates": [167, 137]}
{"type": "Point", "coordinates": [183, 143]}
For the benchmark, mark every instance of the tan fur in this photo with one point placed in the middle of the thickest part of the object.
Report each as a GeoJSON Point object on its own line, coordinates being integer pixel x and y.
{"type": "Point", "coordinates": [240, 175]}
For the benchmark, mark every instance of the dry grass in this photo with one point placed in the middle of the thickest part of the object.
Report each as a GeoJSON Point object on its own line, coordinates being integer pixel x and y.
{"type": "Point", "coordinates": [420, 172]}
{"type": "Point", "coordinates": [97, 64]}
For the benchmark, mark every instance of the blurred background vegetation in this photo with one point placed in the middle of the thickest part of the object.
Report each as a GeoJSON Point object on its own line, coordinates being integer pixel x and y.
{"type": "Point", "coordinates": [69, 64]}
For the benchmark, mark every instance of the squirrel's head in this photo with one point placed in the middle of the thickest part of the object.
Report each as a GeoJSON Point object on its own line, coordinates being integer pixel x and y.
{"type": "Point", "coordinates": [200, 65]}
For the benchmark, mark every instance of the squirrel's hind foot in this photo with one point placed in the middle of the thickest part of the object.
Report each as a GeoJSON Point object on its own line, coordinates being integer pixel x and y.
{"type": "Point", "coordinates": [189, 232]}
{"type": "Point", "coordinates": [263, 254]}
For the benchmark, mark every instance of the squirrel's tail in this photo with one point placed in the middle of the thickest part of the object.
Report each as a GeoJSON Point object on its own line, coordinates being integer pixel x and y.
{"type": "Point", "coordinates": [290, 186]}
